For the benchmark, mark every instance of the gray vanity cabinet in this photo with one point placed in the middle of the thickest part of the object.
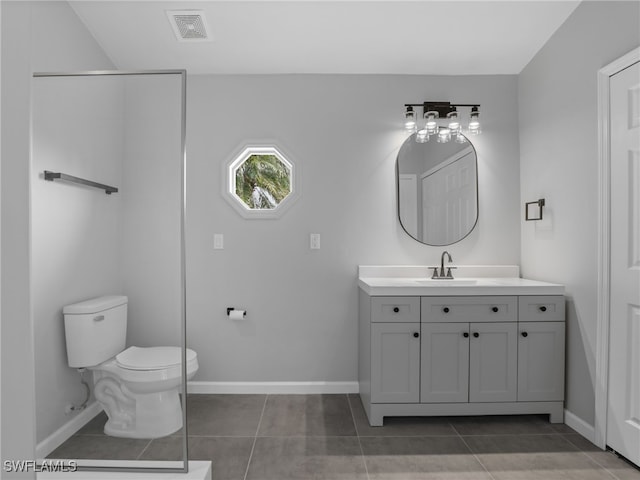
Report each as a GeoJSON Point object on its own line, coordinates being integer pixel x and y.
{"type": "Point", "coordinates": [461, 355]}
{"type": "Point", "coordinates": [395, 349]}
{"type": "Point", "coordinates": [469, 349]}
{"type": "Point", "coordinates": [395, 362]}
{"type": "Point", "coordinates": [444, 362]}
{"type": "Point", "coordinates": [541, 342]}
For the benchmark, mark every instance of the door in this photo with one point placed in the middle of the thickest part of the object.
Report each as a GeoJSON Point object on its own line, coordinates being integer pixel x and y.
{"type": "Point", "coordinates": [623, 406]}
{"type": "Point", "coordinates": [493, 362]}
{"type": "Point", "coordinates": [540, 361]}
{"type": "Point", "coordinates": [395, 362]}
{"type": "Point", "coordinates": [449, 199]}
{"type": "Point", "coordinates": [408, 202]}
{"type": "Point", "coordinates": [445, 362]}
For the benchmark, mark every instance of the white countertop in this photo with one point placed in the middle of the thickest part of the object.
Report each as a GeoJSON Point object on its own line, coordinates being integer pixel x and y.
{"type": "Point", "coordinates": [389, 281]}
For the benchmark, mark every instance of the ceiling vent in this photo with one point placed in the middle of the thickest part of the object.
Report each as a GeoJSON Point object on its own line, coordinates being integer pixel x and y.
{"type": "Point", "coordinates": [188, 25]}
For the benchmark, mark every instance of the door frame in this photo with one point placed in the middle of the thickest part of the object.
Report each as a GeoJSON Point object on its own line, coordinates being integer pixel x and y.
{"type": "Point", "coordinates": [604, 245]}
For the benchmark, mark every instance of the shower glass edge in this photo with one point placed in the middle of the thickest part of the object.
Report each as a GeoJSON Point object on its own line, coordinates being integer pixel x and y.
{"type": "Point", "coordinates": [183, 307]}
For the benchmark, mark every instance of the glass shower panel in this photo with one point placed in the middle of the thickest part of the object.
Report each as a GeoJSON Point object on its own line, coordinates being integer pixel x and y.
{"type": "Point", "coordinates": [107, 220]}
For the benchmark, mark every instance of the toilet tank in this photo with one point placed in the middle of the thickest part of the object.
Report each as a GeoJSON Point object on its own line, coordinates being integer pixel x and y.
{"type": "Point", "coordinates": [95, 330]}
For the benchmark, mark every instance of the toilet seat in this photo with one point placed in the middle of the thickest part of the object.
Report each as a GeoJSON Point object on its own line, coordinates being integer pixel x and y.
{"type": "Point", "coordinates": [146, 371]}
{"type": "Point", "coordinates": [152, 358]}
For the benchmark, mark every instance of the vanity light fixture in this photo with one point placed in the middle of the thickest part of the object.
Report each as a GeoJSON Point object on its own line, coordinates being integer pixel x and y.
{"type": "Point", "coordinates": [443, 120]}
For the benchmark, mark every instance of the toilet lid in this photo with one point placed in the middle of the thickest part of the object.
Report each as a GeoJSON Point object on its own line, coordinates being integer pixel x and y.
{"type": "Point", "coordinates": [152, 358]}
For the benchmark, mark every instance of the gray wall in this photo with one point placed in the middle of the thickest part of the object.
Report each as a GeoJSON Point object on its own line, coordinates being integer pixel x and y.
{"type": "Point", "coordinates": [151, 209]}
{"type": "Point", "coordinates": [344, 132]}
{"type": "Point", "coordinates": [48, 36]}
{"type": "Point", "coordinates": [557, 102]}
{"type": "Point", "coordinates": [76, 231]}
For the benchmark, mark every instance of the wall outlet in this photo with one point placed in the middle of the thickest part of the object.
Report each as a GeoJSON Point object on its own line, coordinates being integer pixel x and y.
{"type": "Point", "coordinates": [314, 241]}
{"type": "Point", "coordinates": [218, 241]}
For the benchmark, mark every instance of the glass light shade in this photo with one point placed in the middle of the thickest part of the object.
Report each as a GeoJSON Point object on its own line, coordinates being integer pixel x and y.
{"type": "Point", "coordinates": [454, 123]}
{"type": "Point", "coordinates": [432, 122]}
{"type": "Point", "coordinates": [410, 120]}
{"type": "Point", "coordinates": [474, 122]}
{"type": "Point", "coordinates": [422, 136]}
{"type": "Point", "coordinates": [444, 135]}
{"type": "Point", "coordinates": [460, 137]}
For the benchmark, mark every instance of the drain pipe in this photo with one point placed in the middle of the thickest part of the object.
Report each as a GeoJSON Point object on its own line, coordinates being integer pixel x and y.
{"type": "Point", "coordinates": [78, 408]}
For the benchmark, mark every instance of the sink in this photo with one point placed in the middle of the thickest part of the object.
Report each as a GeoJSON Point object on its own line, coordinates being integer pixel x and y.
{"type": "Point", "coordinates": [446, 283]}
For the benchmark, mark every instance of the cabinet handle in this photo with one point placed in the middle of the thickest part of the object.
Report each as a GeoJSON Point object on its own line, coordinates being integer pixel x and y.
{"type": "Point", "coordinates": [445, 309]}
{"type": "Point", "coordinates": [543, 308]}
{"type": "Point", "coordinates": [465, 334]}
{"type": "Point", "coordinates": [494, 309]}
{"type": "Point", "coordinates": [396, 309]}
{"type": "Point", "coordinates": [476, 334]}
{"type": "Point", "coordinates": [416, 334]}
{"type": "Point", "coordinates": [525, 334]}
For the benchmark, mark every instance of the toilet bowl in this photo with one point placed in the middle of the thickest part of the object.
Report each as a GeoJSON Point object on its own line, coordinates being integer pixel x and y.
{"type": "Point", "coordinates": [139, 391]}
{"type": "Point", "coordinates": [137, 387]}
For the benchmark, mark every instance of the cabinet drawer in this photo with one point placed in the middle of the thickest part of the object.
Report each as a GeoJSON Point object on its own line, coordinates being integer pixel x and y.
{"type": "Point", "coordinates": [547, 308]}
{"type": "Point", "coordinates": [470, 309]}
{"type": "Point", "coordinates": [395, 309]}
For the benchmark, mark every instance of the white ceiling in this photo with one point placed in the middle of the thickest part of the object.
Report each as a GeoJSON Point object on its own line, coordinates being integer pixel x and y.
{"type": "Point", "coordinates": [346, 36]}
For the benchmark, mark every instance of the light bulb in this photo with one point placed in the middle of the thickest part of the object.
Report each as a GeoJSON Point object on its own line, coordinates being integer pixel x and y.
{"type": "Point", "coordinates": [410, 120]}
{"type": "Point", "coordinates": [474, 122]}
{"type": "Point", "coordinates": [422, 136]}
{"type": "Point", "coordinates": [444, 135]}
{"type": "Point", "coordinates": [460, 137]}
{"type": "Point", "coordinates": [432, 122]}
{"type": "Point", "coordinates": [454, 123]}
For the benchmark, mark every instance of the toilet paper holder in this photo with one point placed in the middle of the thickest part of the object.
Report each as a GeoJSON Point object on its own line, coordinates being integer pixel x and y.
{"type": "Point", "coordinates": [230, 309]}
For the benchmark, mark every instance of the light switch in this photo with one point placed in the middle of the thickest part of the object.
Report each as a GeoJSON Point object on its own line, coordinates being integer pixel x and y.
{"type": "Point", "coordinates": [314, 241]}
{"type": "Point", "coordinates": [218, 241]}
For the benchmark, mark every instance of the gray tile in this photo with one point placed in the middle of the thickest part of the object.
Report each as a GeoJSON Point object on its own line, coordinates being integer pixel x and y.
{"type": "Point", "coordinates": [399, 426]}
{"type": "Point", "coordinates": [95, 426]}
{"type": "Point", "coordinates": [581, 443]}
{"type": "Point", "coordinates": [562, 428]}
{"type": "Point", "coordinates": [229, 456]}
{"type": "Point", "coordinates": [607, 459]}
{"type": "Point", "coordinates": [302, 458]}
{"type": "Point", "coordinates": [529, 457]}
{"type": "Point", "coordinates": [504, 444]}
{"type": "Point", "coordinates": [223, 415]}
{"type": "Point", "coordinates": [420, 458]}
{"type": "Point", "coordinates": [503, 425]}
{"type": "Point", "coordinates": [290, 415]}
{"type": "Point", "coordinates": [100, 447]}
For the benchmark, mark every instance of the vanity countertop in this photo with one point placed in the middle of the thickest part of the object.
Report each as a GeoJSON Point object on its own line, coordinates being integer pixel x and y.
{"type": "Point", "coordinates": [501, 280]}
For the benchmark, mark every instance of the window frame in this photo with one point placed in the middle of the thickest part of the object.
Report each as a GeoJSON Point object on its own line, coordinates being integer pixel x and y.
{"type": "Point", "coordinates": [229, 180]}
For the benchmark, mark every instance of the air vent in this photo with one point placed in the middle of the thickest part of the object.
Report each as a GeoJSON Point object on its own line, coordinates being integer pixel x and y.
{"type": "Point", "coordinates": [188, 25]}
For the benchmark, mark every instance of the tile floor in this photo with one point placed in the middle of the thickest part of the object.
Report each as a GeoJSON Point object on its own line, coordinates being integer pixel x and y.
{"type": "Point", "coordinates": [322, 437]}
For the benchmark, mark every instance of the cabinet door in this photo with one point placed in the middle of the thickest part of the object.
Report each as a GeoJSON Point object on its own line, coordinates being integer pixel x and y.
{"type": "Point", "coordinates": [445, 362]}
{"type": "Point", "coordinates": [493, 362]}
{"type": "Point", "coordinates": [395, 362]}
{"type": "Point", "coordinates": [541, 361]}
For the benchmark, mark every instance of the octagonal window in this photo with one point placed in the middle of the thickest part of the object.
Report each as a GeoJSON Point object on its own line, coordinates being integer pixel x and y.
{"type": "Point", "coordinates": [260, 182]}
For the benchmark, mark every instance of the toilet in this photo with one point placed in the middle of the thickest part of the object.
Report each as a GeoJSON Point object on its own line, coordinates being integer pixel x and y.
{"type": "Point", "coordinates": [138, 386]}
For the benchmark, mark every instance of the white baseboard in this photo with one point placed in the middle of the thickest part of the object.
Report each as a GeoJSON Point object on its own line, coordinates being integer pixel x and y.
{"type": "Point", "coordinates": [61, 435]}
{"type": "Point", "coordinates": [580, 426]}
{"type": "Point", "coordinates": [273, 387]}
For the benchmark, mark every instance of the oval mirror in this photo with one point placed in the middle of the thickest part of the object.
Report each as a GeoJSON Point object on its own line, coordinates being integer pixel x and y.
{"type": "Point", "coordinates": [437, 186]}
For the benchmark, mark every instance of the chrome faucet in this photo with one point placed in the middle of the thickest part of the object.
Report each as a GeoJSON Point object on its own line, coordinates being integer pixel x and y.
{"type": "Point", "coordinates": [442, 274]}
